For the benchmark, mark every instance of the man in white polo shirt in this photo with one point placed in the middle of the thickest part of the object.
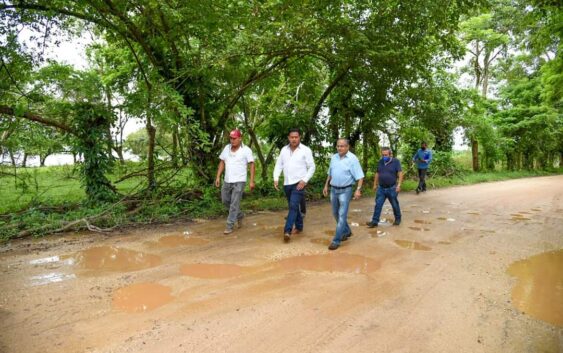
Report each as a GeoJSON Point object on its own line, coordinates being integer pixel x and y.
{"type": "Point", "coordinates": [235, 160]}
{"type": "Point", "coordinates": [296, 162]}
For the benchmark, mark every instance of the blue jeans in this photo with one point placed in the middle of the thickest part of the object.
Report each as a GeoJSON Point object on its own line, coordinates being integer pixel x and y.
{"type": "Point", "coordinates": [340, 200]}
{"type": "Point", "coordinates": [382, 194]}
{"type": "Point", "coordinates": [294, 198]}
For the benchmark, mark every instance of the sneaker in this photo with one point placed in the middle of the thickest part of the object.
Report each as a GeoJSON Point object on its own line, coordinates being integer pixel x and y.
{"type": "Point", "coordinates": [371, 224]}
{"type": "Point", "coordinates": [417, 191]}
{"type": "Point", "coordinates": [344, 238]}
{"type": "Point", "coordinates": [333, 246]}
{"type": "Point", "coordinates": [228, 230]}
{"type": "Point", "coordinates": [286, 237]}
{"type": "Point", "coordinates": [396, 223]}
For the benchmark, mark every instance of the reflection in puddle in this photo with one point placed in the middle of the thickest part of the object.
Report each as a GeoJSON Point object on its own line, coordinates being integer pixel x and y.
{"type": "Point", "coordinates": [539, 291]}
{"type": "Point", "coordinates": [212, 271]}
{"type": "Point", "coordinates": [178, 240]}
{"type": "Point", "coordinates": [141, 297]}
{"type": "Point", "coordinates": [339, 262]}
{"type": "Point", "coordinates": [110, 258]}
{"type": "Point", "coordinates": [52, 277]}
{"type": "Point", "coordinates": [409, 244]}
{"type": "Point", "coordinates": [322, 241]}
{"type": "Point", "coordinates": [65, 260]}
{"type": "Point", "coordinates": [421, 221]}
{"type": "Point", "coordinates": [421, 229]}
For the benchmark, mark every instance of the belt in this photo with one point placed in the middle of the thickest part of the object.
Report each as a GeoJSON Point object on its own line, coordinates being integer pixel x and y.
{"type": "Point", "coordinates": [387, 187]}
{"type": "Point", "coordinates": [341, 187]}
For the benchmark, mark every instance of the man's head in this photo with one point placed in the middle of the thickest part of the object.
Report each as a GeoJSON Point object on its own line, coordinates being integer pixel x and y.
{"type": "Point", "coordinates": [294, 137]}
{"type": "Point", "coordinates": [423, 145]}
{"type": "Point", "coordinates": [236, 137]}
{"type": "Point", "coordinates": [386, 153]}
{"type": "Point", "coordinates": [342, 146]}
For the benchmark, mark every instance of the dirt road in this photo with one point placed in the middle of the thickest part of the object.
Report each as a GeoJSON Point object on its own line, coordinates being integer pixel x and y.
{"type": "Point", "coordinates": [471, 269]}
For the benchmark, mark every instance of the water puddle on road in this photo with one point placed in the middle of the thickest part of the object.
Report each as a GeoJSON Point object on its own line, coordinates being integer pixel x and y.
{"type": "Point", "coordinates": [339, 262]}
{"type": "Point", "coordinates": [421, 221]}
{"type": "Point", "coordinates": [420, 229]}
{"type": "Point", "coordinates": [409, 244]}
{"type": "Point", "coordinates": [110, 258]}
{"type": "Point", "coordinates": [441, 218]}
{"type": "Point", "coordinates": [141, 297]}
{"type": "Point", "coordinates": [444, 242]}
{"type": "Point", "coordinates": [330, 233]}
{"type": "Point", "coordinates": [53, 277]}
{"type": "Point", "coordinates": [539, 290]}
{"type": "Point", "coordinates": [214, 271]}
{"type": "Point", "coordinates": [171, 241]}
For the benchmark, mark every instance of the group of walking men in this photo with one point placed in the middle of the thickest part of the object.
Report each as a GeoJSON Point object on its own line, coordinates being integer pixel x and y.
{"type": "Point", "coordinates": [296, 163]}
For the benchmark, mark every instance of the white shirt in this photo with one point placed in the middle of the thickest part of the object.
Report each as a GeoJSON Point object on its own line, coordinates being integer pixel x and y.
{"type": "Point", "coordinates": [296, 166]}
{"type": "Point", "coordinates": [236, 163]}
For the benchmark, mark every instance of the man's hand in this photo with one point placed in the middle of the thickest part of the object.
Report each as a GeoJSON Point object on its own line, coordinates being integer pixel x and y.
{"type": "Point", "coordinates": [357, 194]}
{"type": "Point", "coordinates": [217, 182]}
{"type": "Point", "coordinates": [301, 185]}
{"type": "Point", "coordinates": [398, 189]}
{"type": "Point", "coordinates": [325, 191]}
{"type": "Point", "coordinates": [375, 188]}
{"type": "Point", "coordinates": [252, 185]}
{"type": "Point", "coordinates": [276, 185]}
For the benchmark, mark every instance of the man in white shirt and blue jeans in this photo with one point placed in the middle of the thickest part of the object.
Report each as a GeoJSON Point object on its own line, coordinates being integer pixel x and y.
{"type": "Point", "coordinates": [235, 160]}
{"type": "Point", "coordinates": [297, 164]}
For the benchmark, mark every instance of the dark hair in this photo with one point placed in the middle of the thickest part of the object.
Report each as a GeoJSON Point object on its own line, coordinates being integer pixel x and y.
{"type": "Point", "coordinates": [345, 140]}
{"type": "Point", "coordinates": [386, 149]}
{"type": "Point", "coordinates": [295, 130]}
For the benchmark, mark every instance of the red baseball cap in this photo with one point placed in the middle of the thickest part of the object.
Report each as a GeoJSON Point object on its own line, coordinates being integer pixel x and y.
{"type": "Point", "coordinates": [235, 133]}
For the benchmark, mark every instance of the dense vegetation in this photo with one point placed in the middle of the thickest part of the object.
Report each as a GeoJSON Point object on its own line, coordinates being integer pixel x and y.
{"type": "Point", "coordinates": [377, 72]}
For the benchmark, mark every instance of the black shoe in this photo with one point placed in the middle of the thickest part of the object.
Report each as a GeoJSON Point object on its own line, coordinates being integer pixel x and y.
{"type": "Point", "coordinates": [345, 237]}
{"type": "Point", "coordinates": [286, 237]}
{"type": "Point", "coordinates": [333, 246]}
{"type": "Point", "coordinates": [371, 224]}
{"type": "Point", "coordinates": [417, 191]}
{"type": "Point", "coordinates": [396, 223]}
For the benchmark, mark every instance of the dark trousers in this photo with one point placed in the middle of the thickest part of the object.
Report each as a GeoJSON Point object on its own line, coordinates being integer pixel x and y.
{"type": "Point", "coordinates": [422, 179]}
{"type": "Point", "coordinates": [294, 198]}
{"type": "Point", "coordinates": [381, 195]}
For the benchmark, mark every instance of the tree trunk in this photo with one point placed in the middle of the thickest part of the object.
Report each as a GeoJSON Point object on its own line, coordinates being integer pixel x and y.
{"type": "Point", "coordinates": [12, 158]}
{"type": "Point", "coordinates": [175, 147]}
{"type": "Point", "coordinates": [24, 160]}
{"type": "Point", "coordinates": [475, 154]}
{"type": "Point", "coordinates": [151, 131]}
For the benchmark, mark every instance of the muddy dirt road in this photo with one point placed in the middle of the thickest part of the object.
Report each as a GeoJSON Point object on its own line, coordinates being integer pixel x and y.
{"type": "Point", "coordinates": [471, 269]}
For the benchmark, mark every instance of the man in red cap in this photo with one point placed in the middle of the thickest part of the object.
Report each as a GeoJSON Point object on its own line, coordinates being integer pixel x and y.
{"type": "Point", "coordinates": [234, 160]}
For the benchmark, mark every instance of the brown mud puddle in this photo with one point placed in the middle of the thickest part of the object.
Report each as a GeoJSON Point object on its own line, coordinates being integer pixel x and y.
{"type": "Point", "coordinates": [110, 258]}
{"type": "Point", "coordinates": [421, 221]}
{"type": "Point", "coordinates": [322, 241]}
{"type": "Point", "coordinates": [519, 217]}
{"type": "Point", "coordinates": [409, 244]}
{"type": "Point", "coordinates": [539, 290]}
{"type": "Point", "coordinates": [141, 297]}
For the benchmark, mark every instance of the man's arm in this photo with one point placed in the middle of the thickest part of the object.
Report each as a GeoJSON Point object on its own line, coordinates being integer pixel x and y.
{"type": "Point", "coordinates": [220, 170]}
{"type": "Point", "coordinates": [375, 181]}
{"type": "Point", "coordinates": [358, 192]}
{"type": "Point", "coordinates": [398, 188]}
{"type": "Point", "coordinates": [252, 173]}
{"type": "Point", "coordinates": [325, 189]}
{"type": "Point", "coordinates": [278, 169]}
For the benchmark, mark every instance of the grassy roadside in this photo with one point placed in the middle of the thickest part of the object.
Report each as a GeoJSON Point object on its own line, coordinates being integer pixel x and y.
{"type": "Point", "coordinates": [60, 211]}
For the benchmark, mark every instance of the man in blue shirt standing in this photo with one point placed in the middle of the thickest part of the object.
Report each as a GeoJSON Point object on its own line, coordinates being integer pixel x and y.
{"type": "Point", "coordinates": [422, 158]}
{"type": "Point", "coordinates": [343, 172]}
{"type": "Point", "coordinates": [387, 184]}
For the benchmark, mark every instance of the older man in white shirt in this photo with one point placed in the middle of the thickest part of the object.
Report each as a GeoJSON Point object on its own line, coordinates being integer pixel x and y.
{"type": "Point", "coordinates": [297, 164]}
{"type": "Point", "coordinates": [234, 160]}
